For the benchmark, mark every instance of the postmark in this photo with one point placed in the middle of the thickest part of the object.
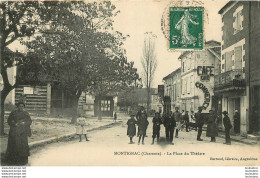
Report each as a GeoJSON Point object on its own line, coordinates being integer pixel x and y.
{"type": "Point", "coordinates": [186, 28]}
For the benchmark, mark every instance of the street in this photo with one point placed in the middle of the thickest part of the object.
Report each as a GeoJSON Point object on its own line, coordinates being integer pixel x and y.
{"type": "Point", "coordinates": [111, 147]}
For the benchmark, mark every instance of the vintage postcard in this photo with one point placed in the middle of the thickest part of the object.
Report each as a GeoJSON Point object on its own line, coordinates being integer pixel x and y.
{"type": "Point", "coordinates": [130, 83]}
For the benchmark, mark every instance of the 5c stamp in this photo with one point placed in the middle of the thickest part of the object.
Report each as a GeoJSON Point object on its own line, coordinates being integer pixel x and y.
{"type": "Point", "coordinates": [186, 28]}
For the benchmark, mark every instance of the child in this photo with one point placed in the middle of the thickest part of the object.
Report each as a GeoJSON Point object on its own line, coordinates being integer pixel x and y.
{"type": "Point", "coordinates": [142, 126]}
{"type": "Point", "coordinates": [81, 128]}
{"type": "Point", "coordinates": [131, 129]}
{"type": "Point", "coordinates": [156, 127]}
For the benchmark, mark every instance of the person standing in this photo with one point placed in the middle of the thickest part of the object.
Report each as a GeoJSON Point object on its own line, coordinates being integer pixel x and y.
{"type": "Point", "coordinates": [142, 127]}
{"type": "Point", "coordinates": [157, 121]}
{"type": "Point", "coordinates": [19, 120]}
{"type": "Point", "coordinates": [177, 117]}
{"type": "Point", "coordinates": [115, 117]}
{"type": "Point", "coordinates": [212, 129]}
{"type": "Point", "coordinates": [81, 128]}
{"type": "Point", "coordinates": [139, 115]}
{"type": "Point", "coordinates": [200, 123]}
{"type": "Point", "coordinates": [228, 126]}
{"type": "Point", "coordinates": [131, 129]}
{"type": "Point", "coordinates": [186, 119]}
{"type": "Point", "coordinates": [237, 122]}
{"type": "Point", "coordinates": [169, 124]}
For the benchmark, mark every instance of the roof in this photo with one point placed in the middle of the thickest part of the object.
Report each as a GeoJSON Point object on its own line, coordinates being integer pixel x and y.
{"type": "Point", "coordinates": [226, 6]}
{"type": "Point", "coordinates": [172, 74]}
{"type": "Point", "coordinates": [212, 44]}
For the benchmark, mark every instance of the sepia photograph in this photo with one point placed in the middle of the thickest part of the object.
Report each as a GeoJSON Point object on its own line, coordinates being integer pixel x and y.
{"type": "Point", "coordinates": [129, 83]}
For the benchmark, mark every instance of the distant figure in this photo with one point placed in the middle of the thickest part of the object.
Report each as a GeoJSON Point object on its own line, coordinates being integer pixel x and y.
{"type": "Point", "coordinates": [142, 127]}
{"type": "Point", "coordinates": [115, 117]}
{"type": "Point", "coordinates": [19, 121]}
{"type": "Point", "coordinates": [139, 113]}
{"type": "Point", "coordinates": [186, 119]}
{"type": "Point", "coordinates": [177, 117]}
{"type": "Point", "coordinates": [200, 123]}
{"type": "Point", "coordinates": [212, 129]}
{"type": "Point", "coordinates": [228, 126]}
{"type": "Point", "coordinates": [131, 129]}
{"type": "Point", "coordinates": [237, 122]}
{"type": "Point", "coordinates": [81, 128]}
{"type": "Point", "coordinates": [192, 116]}
{"type": "Point", "coordinates": [157, 121]}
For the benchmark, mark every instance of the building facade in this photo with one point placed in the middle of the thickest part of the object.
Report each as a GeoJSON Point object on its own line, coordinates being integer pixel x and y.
{"type": "Point", "coordinates": [240, 64]}
{"type": "Point", "coordinates": [198, 69]}
{"type": "Point", "coordinates": [172, 90]}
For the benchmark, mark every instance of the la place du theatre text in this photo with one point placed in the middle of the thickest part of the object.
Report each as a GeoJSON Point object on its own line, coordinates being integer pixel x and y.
{"type": "Point", "coordinates": [138, 153]}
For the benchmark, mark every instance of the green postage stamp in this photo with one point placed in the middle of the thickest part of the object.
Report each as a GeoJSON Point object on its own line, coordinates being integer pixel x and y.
{"type": "Point", "coordinates": [186, 28]}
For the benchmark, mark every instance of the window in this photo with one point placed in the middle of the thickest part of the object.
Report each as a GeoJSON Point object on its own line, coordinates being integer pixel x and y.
{"type": "Point", "coordinates": [238, 57]}
{"type": "Point", "coordinates": [105, 105]}
{"type": "Point", "coordinates": [238, 22]}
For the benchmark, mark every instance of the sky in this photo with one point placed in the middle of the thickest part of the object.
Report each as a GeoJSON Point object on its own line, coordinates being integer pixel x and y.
{"type": "Point", "coordinates": [136, 18]}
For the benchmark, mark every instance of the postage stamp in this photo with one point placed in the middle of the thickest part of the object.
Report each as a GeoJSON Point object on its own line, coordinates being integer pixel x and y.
{"type": "Point", "coordinates": [186, 28]}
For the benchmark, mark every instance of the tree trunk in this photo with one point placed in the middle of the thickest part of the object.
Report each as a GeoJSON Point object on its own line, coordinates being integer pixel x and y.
{"type": "Point", "coordinates": [148, 101]}
{"type": "Point", "coordinates": [4, 94]}
{"type": "Point", "coordinates": [75, 109]}
{"type": "Point", "coordinates": [99, 109]}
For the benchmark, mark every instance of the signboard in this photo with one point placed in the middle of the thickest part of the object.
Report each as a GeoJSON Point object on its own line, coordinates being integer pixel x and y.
{"type": "Point", "coordinates": [28, 90]}
{"type": "Point", "coordinates": [205, 72]}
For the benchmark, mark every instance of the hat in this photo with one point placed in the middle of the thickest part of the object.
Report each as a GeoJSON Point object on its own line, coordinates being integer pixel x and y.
{"type": "Point", "coordinates": [225, 112]}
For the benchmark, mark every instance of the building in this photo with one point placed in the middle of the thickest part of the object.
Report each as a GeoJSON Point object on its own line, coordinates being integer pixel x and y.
{"type": "Point", "coordinates": [197, 77]}
{"type": "Point", "coordinates": [238, 84]}
{"type": "Point", "coordinates": [172, 90]}
{"type": "Point", "coordinates": [156, 102]}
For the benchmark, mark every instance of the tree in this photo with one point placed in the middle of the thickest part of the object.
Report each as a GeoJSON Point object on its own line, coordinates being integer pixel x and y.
{"type": "Point", "coordinates": [83, 57]}
{"type": "Point", "coordinates": [149, 63]}
{"type": "Point", "coordinates": [17, 21]}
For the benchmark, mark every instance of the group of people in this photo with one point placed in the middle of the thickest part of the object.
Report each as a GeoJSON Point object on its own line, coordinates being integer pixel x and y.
{"type": "Point", "coordinates": [19, 121]}
{"type": "Point", "coordinates": [174, 121]}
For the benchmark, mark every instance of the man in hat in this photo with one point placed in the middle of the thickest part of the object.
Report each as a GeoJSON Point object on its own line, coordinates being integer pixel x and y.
{"type": "Point", "coordinates": [142, 127]}
{"type": "Point", "coordinates": [228, 126]}
{"type": "Point", "coordinates": [199, 122]}
{"type": "Point", "coordinates": [170, 124]}
{"type": "Point", "coordinates": [17, 148]}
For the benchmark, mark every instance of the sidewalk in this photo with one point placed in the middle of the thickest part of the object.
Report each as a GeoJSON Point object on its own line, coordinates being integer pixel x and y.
{"type": "Point", "coordinates": [249, 139]}
{"type": "Point", "coordinates": [47, 130]}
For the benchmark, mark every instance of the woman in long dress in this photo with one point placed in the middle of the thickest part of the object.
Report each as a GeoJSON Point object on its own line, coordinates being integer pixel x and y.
{"type": "Point", "coordinates": [183, 25]}
{"type": "Point", "coordinates": [212, 129]}
{"type": "Point", "coordinates": [17, 151]}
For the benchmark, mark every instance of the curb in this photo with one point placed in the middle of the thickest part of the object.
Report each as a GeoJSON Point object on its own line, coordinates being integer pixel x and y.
{"type": "Point", "coordinates": [238, 140]}
{"type": "Point", "coordinates": [70, 135]}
